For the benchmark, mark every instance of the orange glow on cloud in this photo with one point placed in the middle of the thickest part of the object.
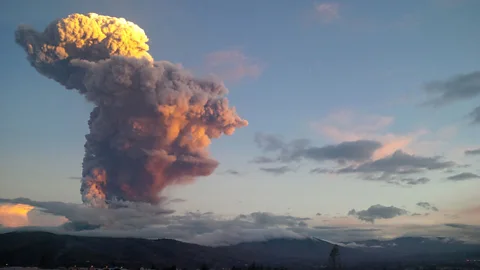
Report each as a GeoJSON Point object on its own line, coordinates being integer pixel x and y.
{"type": "Point", "coordinates": [14, 215]}
{"type": "Point", "coordinates": [349, 126]}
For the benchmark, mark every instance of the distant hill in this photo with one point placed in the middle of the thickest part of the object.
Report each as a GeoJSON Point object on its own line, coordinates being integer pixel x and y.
{"type": "Point", "coordinates": [51, 250]}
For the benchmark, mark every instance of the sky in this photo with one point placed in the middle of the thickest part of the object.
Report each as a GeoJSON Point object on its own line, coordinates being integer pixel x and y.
{"type": "Point", "coordinates": [361, 114]}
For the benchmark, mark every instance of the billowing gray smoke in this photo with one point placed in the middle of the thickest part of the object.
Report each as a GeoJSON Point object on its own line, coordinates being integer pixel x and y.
{"type": "Point", "coordinates": [152, 121]}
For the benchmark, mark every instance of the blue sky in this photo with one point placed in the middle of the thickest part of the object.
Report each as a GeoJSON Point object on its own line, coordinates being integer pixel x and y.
{"type": "Point", "coordinates": [327, 71]}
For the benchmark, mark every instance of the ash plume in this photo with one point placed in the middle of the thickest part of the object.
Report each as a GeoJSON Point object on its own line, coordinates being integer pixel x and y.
{"type": "Point", "coordinates": [152, 122]}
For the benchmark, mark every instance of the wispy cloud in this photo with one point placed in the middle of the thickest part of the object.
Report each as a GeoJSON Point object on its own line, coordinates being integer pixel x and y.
{"type": "Point", "coordinates": [427, 206]}
{"type": "Point", "coordinates": [349, 125]}
{"type": "Point", "coordinates": [231, 172]}
{"type": "Point", "coordinates": [147, 221]}
{"type": "Point", "coordinates": [327, 12]}
{"type": "Point", "coordinates": [278, 170]}
{"type": "Point", "coordinates": [177, 200]}
{"type": "Point", "coordinates": [399, 163]}
{"type": "Point", "coordinates": [472, 152]}
{"type": "Point", "coordinates": [457, 88]}
{"type": "Point", "coordinates": [414, 181]}
{"type": "Point", "coordinates": [299, 149]}
{"type": "Point", "coordinates": [351, 157]}
{"type": "Point", "coordinates": [463, 176]}
{"type": "Point", "coordinates": [474, 115]}
{"type": "Point", "coordinates": [461, 87]}
{"type": "Point", "coordinates": [233, 65]}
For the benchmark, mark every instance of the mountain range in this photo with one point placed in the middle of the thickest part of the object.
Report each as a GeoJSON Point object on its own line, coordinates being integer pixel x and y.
{"type": "Point", "coordinates": [53, 250]}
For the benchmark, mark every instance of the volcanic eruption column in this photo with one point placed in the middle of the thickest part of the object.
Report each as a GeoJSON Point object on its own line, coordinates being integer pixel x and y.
{"type": "Point", "coordinates": [152, 121]}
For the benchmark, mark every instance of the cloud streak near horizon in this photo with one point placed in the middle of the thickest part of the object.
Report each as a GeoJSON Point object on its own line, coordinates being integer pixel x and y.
{"type": "Point", "coordinates": [147, 221]}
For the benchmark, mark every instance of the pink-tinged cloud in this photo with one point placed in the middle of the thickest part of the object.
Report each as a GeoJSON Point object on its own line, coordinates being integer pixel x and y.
{"type": "Point", "coordinates": [233, 65]}
{"type": "Point", "coordinates": [347, 125]}
{"type": "Point", "coordinates": [328, 12]}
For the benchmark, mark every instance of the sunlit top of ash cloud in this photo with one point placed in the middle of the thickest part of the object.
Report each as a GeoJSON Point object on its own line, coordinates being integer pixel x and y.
{"type": "Point", "coordinates": [152, 121]}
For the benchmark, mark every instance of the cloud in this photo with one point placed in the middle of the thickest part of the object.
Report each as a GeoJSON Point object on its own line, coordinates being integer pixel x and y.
{"type": "Point", "coordinates": [356, 157]}
{"type": "Point", "coordinates": [14, 215]}
{"type": "Point", "coordinates": [427, 206]}
{"type": "Point", "coordinates": [278, 170]}
{"type": "Point", "coordinates": [296, 150]}
{"type": "Point", "coordinates": [399, 163]}
{"type": "Point", "coordinates": [378, 212]}
{"type": "Point", "coordinates": [121, 215]}
{"type": "Point", "coordinates": [460, 87]}
{"type": "Point", "coordinates": [287, 151]}
{"type": "Point", "coordinates": [233, 65]}
{"type": "Point", "coordinates": [145, 221]}
{"type": "Point", "coordinates": [360, 150]}
{"type": "Point", "coordinates": [338, 234]}
{"type": "Point", "coordinates": [472, 152]}
{"type": "Point", "coordinates": [268, 219]}
{"type": "Point", "coordinates": [348, 125]}
{"type": "Point", "coordinates": [463, 176]}
{"type": "Point", "coordinates": [391, 169]}
{"type": "Point", "coordinates": [327, 12]}
{"type": "Point", "coordinates": [414, 181]}
{"type": "Point", "coordinates": [322, 171]}
{"type": "Point", "coordinates": [231, 172]}
{"type": "Point", "coordinates": [475, 115]}
{"type": "Point", "coordinates": [177, 200]}
{"type": "Point", "coordinates": [231, 237]}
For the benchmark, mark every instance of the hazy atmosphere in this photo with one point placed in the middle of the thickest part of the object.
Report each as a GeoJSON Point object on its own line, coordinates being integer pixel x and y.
{"type": "Point", "coordinates": [220, 122]}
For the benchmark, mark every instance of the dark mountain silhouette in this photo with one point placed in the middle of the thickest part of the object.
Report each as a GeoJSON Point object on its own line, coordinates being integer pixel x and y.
{"type": "Point", "coordinates": [52, 250]}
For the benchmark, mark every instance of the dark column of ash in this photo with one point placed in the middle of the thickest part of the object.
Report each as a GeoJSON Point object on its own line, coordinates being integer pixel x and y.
{"type": "Point", "coordinates": [152, 121]}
